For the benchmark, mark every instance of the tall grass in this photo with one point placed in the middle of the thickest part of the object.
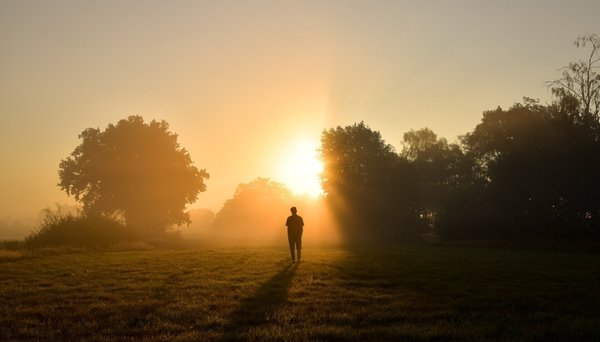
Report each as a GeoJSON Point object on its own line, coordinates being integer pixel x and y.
{"type": "Point", "coordinates": [58, 228]}
{"type": "Point", "coordinates": [12, 245]}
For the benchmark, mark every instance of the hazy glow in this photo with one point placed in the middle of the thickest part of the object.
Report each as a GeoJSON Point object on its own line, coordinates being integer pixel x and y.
{"type": "Point", "coordinates": [300, 169]}
{"type": "Point", "coordinates": [237, 79]}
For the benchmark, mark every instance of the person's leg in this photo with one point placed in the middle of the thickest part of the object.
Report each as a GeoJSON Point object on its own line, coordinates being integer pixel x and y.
{"type": "Point", "coordinates": [291, 242]}
{"type": "Point", "coordinates": [299, 244]}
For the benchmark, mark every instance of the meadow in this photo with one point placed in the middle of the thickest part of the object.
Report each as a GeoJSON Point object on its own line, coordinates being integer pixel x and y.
{"type": "Point", "coordinates": [396, 292]}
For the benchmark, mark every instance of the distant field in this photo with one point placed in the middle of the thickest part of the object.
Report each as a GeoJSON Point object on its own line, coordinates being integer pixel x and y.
{"type": "Point", "coordinates": [395, 292]}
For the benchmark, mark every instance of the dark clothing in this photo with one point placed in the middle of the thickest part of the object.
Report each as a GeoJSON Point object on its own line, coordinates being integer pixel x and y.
{"type": "Point", "coordinates": [295, 226]}
{"type": "Point", "coordinates": [294, 221]}
{"type": "Point", "coordinates": [295, 241]}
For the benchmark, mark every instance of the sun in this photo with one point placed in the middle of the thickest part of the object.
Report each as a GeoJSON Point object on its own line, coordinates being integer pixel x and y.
{"type": "Point", "coordinates": [301, 168]}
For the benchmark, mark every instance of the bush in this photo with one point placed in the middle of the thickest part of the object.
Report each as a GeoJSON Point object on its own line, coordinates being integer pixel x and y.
{"type": "Point", "coordinates": [76, 230]}
{"type": "Point", "coordinates": [12, 245]}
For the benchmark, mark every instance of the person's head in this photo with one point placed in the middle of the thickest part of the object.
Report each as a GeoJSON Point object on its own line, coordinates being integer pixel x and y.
{"type": "Point", "coordinates": [293, 210]}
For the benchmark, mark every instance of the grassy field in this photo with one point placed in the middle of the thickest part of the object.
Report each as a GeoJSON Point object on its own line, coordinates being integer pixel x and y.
{"type": "Point", "coordinates": [404, 292]}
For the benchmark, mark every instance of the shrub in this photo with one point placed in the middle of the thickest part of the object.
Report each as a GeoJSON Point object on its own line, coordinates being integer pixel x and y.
{"type": "Point", "coordinates": [76, 230]}
{"type": "Point", "coordinates": [12, 245]}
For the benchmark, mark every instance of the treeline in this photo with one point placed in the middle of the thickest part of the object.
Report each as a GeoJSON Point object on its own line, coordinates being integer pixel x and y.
{"type": "Point", "coordinates": [530, 171]}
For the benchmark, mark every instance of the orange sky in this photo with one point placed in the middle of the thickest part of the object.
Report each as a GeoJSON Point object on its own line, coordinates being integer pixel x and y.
{"type": "Point", "coordinates": [242, 81]}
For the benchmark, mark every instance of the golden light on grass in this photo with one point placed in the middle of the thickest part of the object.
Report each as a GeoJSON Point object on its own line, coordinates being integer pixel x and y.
{"type": "Point", "coordinates": [300, 168]}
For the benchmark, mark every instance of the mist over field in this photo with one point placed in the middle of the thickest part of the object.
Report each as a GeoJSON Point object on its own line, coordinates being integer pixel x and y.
{"type": "Point", "coordinates": [16, 229]}
{"type": "Point", "coordinates": [268, 230]}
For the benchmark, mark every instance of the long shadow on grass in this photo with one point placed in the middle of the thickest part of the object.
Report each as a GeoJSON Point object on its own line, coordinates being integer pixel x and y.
{"type": "Point", "coordinates": [260, 307]}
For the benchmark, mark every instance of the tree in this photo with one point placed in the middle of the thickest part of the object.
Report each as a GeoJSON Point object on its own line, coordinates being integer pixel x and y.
{"type": "Point", "coordinates": [133, 170]}
{"type": "Point", "coordinates": [420, 144]}
{"type": "Point", "coordinates": [538, 172]}
{"type": "Point", "coordinates": [370, 188]}
{"type": "Point", "coordinates": [581, 81]}
{"type": "Point", "coordinates": [438, 167]}
{"type": "Point", "coordinates": [256, 213]}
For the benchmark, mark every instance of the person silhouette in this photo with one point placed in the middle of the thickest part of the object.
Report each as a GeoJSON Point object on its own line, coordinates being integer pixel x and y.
{"type": "Point", "coordinates": [295, 226]}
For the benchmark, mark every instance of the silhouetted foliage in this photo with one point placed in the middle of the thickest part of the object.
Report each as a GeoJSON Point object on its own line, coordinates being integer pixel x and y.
{"type": "Point", "coordinates": [439, 166]}
{"type": "Point", "coordinates": [527, 172]}
{"type": "Point", "coordinates": [369, 187]}
{"type": "Point", "coordinates": [581, 81]}
{"type": "Point", "coordinates": [76, 230]}
{"type": "Point", "coordinates": [133, 170]}
{"type": "Point", "coordinates": [534, 177]}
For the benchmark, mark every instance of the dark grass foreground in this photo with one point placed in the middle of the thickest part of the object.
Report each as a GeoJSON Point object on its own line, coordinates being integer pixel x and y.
{"type": "Point", "coordinates": [392, 293]}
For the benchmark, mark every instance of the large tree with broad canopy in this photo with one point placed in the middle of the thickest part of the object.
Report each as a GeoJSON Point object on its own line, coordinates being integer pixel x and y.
{"type": "Point", "coordinates": [133, 170]}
